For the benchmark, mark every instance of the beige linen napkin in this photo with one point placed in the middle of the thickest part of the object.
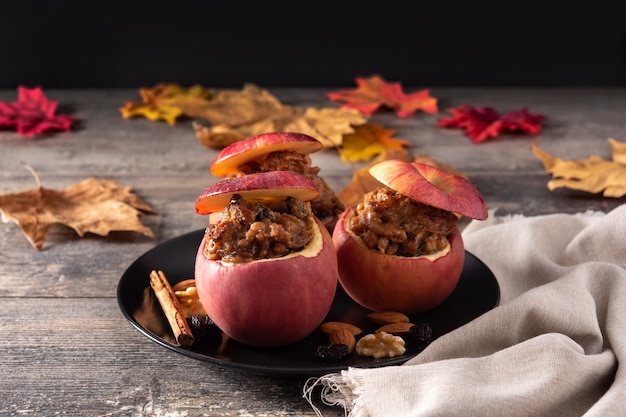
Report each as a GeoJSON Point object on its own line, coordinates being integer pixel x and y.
{"type": "Point", "coordinates": [556, 345]}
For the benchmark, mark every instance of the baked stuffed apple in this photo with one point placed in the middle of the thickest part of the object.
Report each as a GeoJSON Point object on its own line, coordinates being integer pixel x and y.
{"type": "Point", "coordinates": [401, 248]}
{"type": "Point", "coordinates": [266, 272]}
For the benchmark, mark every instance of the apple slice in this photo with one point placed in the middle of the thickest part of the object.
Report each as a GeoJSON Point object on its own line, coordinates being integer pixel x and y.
{"type": "Point", "coordinates": [238, 153]}
{"type": "Point", "coordinates": [431, 186]}
{"type": "Point", "coordinates": [262, 187]}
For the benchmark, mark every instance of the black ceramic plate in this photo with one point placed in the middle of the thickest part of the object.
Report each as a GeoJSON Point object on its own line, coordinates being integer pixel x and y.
{"type": "Point", "coordinates": [476, 293]}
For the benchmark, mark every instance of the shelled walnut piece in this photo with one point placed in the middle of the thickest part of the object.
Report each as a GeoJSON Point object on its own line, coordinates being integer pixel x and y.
{"type": "Point", "coordinates": [187, 294]}
{"type": "Point", "coordinates": [384, 342]}
{"type": "Point", "coordinates": [380, 345]}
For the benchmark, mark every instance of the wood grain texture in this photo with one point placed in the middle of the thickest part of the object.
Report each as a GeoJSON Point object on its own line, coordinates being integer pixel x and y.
{"type": "Point", "coordinates": [66, 348]}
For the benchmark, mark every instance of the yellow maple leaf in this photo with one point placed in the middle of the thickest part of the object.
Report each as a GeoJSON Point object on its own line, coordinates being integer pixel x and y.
{"type": "Point", "coordinates": [152, 112]}
{"type": "Point", "coordinates": [369, 140]}
{"type": "Point", "coordinates": [593, 175]}
{"type": "Point", "coordinates": [327, 124]}
{"type": "Point", "coordinates": [619, 151]}
{"type": "Point", "coordinates": [168, 101]}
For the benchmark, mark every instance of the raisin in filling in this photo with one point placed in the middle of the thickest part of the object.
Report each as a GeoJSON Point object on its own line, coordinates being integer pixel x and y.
{"type": "Point", "coordinates": [394, 224]}
{"type": "Point", "coordinates": [250, 231]}
{"type": "Point", "coordinates": [324, 206]}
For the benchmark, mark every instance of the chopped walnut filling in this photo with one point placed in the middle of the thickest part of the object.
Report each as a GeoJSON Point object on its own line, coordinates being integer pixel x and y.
{"type": "Point", "coordinates": [251, 231]}
{"type": "Point", "coordinates": [324, 206]}
{"type": "Point", "coordinates": [392, 223]}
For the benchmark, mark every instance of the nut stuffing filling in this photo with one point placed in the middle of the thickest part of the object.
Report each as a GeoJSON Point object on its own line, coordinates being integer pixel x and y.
{"type": "Point", "coordinates": [391, 223]}
{"type": "Point", "coordinates": [251, 231]}
{"type": "Point", "coordinates": [326, 205]}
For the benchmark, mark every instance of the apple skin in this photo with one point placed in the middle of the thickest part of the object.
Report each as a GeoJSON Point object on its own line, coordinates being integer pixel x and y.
{"type": "Point", "coordinates": [271, 302]}
{"type": "Point", "coordinates": [382, 282]}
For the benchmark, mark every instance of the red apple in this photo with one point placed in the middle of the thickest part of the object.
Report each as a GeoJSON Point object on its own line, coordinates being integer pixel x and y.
{"type": "Point", "coordinates": [270, 302]}
{"type": "Point", "coordinates": [238, 153]}
{"type": "Point", "coordinates": [267, 302]}
{"type": "Point", "coordinates": [408, 284]}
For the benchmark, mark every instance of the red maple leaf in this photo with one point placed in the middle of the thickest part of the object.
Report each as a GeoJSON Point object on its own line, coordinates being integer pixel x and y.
{"type": "Point", "coordinates": [33, 113]}
{"type": "Point", "coordinates": [374, 92]}
{"type": "Point", "coordinates": [482, 123]}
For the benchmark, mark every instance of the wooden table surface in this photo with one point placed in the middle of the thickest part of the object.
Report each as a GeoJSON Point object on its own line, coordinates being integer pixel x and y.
{"type": "Point", "coordinates": [65, 346]}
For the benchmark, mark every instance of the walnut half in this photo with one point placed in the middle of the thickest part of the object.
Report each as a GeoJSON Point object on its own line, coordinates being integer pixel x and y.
{"type": "Point", "coordinates": [380, 345]}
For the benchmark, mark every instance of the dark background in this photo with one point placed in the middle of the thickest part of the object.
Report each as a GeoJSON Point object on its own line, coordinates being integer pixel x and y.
{"type": "Point", "coordinates": [103, 44]}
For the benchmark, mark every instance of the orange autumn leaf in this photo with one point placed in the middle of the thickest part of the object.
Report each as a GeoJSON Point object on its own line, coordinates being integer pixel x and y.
{"type": "Point", "coordinates": [375, 92]}
{"type": "Point", "coordinates": [327, 125]}
{"type": "Point", "coordinates": [363, 182]}
{"type": "Point", "coordinates": [593, 175]}
{"type": "Point", "coordinates": [90, 206]}
{"type": "Point", "coordinates": [369, 140]}
{"type": "Point", "coordinates": [168, 101]}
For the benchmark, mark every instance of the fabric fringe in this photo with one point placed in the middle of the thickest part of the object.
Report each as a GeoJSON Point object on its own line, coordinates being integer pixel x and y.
{"type": "Point", "coordinates": [343, 389]}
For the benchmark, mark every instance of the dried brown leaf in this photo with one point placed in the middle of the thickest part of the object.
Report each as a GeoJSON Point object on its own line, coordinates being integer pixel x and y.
{"type": "Point", "coordinates": [593, 175]}
{"type": "Point", "coordinates": [90, 206]}
{"type": "Point", "coordinates": [235, 108]}
{"type": "Point", "coordinates": [327, 124]}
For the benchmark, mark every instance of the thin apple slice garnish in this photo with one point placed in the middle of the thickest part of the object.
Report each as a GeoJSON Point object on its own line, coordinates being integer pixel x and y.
{"type": "Point", "coordinates": [431, 186]}
{"type": "Point", "coordinates": [238, 153]}
{"type": "Point", "coordinates": [261, 187]}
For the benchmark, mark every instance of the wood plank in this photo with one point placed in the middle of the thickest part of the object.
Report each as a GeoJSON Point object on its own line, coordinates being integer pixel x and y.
{"type": "Point", "coordinates": [81, 357]}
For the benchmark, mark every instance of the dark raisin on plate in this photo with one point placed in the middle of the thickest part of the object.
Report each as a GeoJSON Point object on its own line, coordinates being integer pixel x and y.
{"type": "Point", "coordinates": [202, 327]}
{"type": "Point", "coordinates": [422, 334]}
{"type": "Point", "coordinates": [332, 352]}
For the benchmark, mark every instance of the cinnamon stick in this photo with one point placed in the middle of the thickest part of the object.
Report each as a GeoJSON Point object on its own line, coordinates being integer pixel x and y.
{"type": "Point", "coordinates": [171, 307]}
